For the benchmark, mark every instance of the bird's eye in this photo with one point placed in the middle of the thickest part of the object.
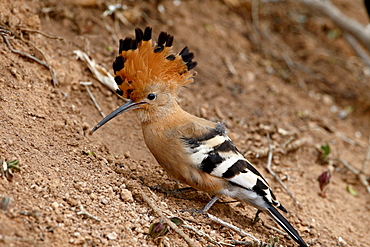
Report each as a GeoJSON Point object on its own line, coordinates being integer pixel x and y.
{"type": "Point", "coordinates": [151, 96]}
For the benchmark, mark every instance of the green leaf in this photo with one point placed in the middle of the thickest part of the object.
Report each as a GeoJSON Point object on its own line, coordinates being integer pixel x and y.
{"type": "Point", "coordinates": [13, 165]}
{"type": "Point", "coordinates": [326, 149]}
{"type": "Point", "coordinates": [334, 33]}
{"type": "Point", "coordinates": [208, 27]}
{"type": "Point", "coordinates": [5, 201]}
{"type": "Point", "coordinates": [177, 221]}
{"type": "Point", "coordinates": [351, 190]}
{"type": "Point", "coordinates": [89, 153]}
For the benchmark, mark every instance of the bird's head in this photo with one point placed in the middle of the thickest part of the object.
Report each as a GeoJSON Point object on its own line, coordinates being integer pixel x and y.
{"type": "Point", "coordinates": [149, 75]}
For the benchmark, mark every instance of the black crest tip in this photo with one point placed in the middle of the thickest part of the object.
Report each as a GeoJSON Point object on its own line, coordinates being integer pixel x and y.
{"type": "Point", "coordinates": [188, 57]}
{"type": "Point", "coordinates": [118, 80]}
{"type": "Point", "coordinates": [126, 44]}
{"type": "Point", "coordinates": [139, 35]}
{"type": "Point", "coordinates": [118, 64]}
{"type": "Point", "coordinates": [119, 91]}
{"type": "Point", "coordinates": [192, 65]}
{"type": "Point", "coordinates": [184, 51]}
{"type": "Point", "coordinates": [147, 34]}
{"type": "Point", "coordinates": [162, 38]}
{"type": "Point", "coordinates": [169, 41]}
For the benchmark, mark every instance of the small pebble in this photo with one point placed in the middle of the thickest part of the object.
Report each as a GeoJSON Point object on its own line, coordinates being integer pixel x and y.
{"type": "Point", "coordinates": [55, 205]}
{"type": "Point", "coordinates": [112, 236]}
{"type": "Point", "coordinates": [126, 195]}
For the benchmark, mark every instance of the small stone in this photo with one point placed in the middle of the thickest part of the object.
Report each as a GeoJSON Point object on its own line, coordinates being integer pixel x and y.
{"type": "Point", "coordinates": [358, 134]}
{"type": "Point", "coordinates": [72, 202]}
{"type": "Point", "coordinates": [327, 99]}
{"type": "Point", "coordinates": [104, 201]}
{"type": "Point", "coordinates": [13, 71]}
{"type": "Point", "coordinates": [341, 241]}
{"type": "Point", "coordinates": [55, 205]}
{"type": "Point", "coordinates": [164, 205]}
{"type": "Point", "coordinates": [60, 219]}
{"type": "Point", "coordinates": [251, 76]}
{"type": "Point", "coordinates": [126, 195]}
{"type": "Point", "coordinates": [127, 155]}
{"type": "Point", "coordinates": [112, 236]}
{"type": "Point", "coordinates": [93, 196]}
{"type": "Point", "coordinates": [85, 126]}
{"type": "Point", "coordinates": [343, 114]}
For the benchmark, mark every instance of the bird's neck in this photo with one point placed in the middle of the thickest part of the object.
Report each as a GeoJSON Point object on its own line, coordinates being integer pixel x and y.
{"type": "Point", "coordinates": [170, 113]}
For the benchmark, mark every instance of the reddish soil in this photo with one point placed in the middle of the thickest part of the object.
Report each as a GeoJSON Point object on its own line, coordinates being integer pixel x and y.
{"type": "Point", "coordinates": [244, 79]}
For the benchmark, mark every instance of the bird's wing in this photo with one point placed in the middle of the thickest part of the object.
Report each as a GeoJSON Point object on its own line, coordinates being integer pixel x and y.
{"type": "Point", "coordinates": [216, 154]}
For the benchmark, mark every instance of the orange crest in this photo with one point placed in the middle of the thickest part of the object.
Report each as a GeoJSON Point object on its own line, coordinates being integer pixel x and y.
{"type": "Point", "coordinates": [140, 65]}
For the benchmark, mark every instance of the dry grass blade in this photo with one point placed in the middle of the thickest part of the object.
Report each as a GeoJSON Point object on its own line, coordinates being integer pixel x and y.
{"type": "Point", "coordinates": [98, 71]}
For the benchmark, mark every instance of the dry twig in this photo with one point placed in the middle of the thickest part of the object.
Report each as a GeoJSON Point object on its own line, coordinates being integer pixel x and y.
{"type": "Point", "coordinates": [362, 177]}
{"type": "Point", "coordinates": [52, 72]}
{"type": "Point", "coordinates": [232, 227]}
{"type": "Point", "coordinates": [358, 48]}
{"type": "Point", "coordinates": [169, 222]}
{"type": "Point", "coordinates": [367, 159]}
{"type": "Point", "coordinates": [342, 21]}
{"type": "Point", "coordinates": [203, 234]}
{"type": "Point", "coordinates": [269, 162]}
{"type": "Point", "coordinates": [83, 212]}
{"type": "Point", "coordinates": [230, 66]}
{"type": "Point", "coordinates": [87, 84]}
{"type": "Point", "coordinates": [39, 32]}
{"type": "Point", "coordinates": [276, 229]}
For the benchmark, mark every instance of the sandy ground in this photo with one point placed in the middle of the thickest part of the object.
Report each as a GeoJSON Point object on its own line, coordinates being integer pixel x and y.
{"type": "Point", "coordinates": [244, 80]}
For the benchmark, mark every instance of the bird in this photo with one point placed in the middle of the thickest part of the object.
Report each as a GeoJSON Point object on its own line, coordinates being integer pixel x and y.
{"type": "Point", "coordinates": [195, 151]}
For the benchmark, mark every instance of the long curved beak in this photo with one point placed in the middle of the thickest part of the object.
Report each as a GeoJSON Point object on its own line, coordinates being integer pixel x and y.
{"type": "Point", "coordinates": [129, 105]}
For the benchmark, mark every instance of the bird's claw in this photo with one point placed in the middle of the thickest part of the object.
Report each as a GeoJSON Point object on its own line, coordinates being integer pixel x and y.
{"type": "Point", "coordinates": [192, 211]}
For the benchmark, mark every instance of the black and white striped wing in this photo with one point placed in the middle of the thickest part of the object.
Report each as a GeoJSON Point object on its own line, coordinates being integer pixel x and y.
{"type": "Point", "coordinates": [216, 154]}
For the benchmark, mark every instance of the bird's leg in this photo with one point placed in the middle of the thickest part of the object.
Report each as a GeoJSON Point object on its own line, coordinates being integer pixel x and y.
{"type": "Point", "coordinates": [205, 208]}
{"type": "Point", "coordinates": [208, 205]}
{"type": "Point", "coordinates": [256, 217]}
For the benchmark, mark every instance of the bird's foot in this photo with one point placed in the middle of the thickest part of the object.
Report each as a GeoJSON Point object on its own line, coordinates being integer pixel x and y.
{"type": "Point", "coordinates": [256, 217]}
{"type": "Point", "coordinates": [192, 211]}
{"type": "Point", "coordinates": [203, 210]}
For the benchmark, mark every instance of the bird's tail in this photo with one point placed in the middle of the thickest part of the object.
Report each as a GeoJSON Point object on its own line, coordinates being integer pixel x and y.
{"type": "Point", "coordinates": [283, 223]}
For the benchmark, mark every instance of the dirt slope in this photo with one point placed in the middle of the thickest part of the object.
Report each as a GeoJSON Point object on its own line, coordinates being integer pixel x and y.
{"type": "Point", "coordinates": [244, 79]}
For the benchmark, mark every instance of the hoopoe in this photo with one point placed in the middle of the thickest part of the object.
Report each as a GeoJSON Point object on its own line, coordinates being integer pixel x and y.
{"type": "Point", "coordinates": [193, 150]}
